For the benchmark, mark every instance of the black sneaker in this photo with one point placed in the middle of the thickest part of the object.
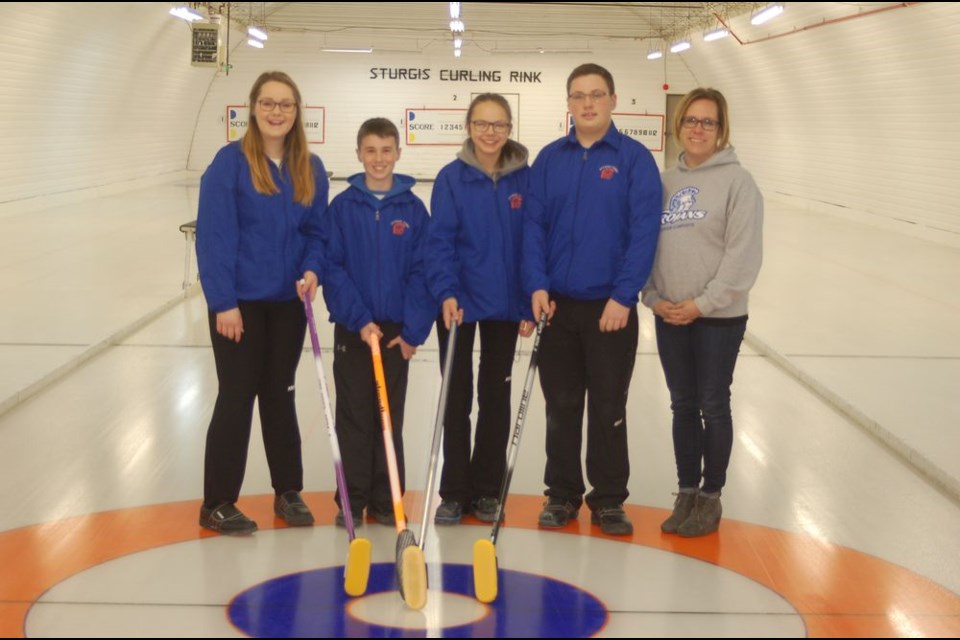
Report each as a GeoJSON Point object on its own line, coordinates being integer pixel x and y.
{"type": "Point", "coordinates": [557, 512]}
{"type": "Point", "coordinates": [226, 519]}
{"type": "Point", "coordinates": [383, 516]}
{"type": "Point", "coordinates": [448, 513]}
{"type": "Point", "coordinates": [341, 520]}
{"type": "Point", "coordinates": [291, 507]}
{"type": "Point", "coordinates": [485, 509]}
{"type": "Point", "coordinates": [613, 520]}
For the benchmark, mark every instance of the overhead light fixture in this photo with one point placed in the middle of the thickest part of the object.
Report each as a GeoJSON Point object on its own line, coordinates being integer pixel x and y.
{"type": "Point", "coordinates": [456, 28]}
{"type": "Point", "coordinates": [186, 13]}
{"type": "Point", "coordinates": [715, 34]}
{"type": "Point", "coordinates": [366, 50]}
{"type": "Point", "coordinates": [541, 50]}
{"type": "Point", "coordinates": [655, 54]}
{"type": "Point", "coordinates": [679, 45]}
{"type": "Point", "coordinates": [257, 32]}
{"type": "Point", "coordinates": [253, 42]}
{"type": "Point", "coordinates": [767, 13]}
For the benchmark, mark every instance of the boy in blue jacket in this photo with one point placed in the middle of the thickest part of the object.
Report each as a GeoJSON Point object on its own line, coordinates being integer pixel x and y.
{"type": "Point", "coordinates": [374, 285]}
{"type": "Point", "coordinates": [589, 239]}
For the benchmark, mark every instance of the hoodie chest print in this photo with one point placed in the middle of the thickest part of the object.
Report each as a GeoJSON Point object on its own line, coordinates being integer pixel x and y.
{"type": "Point", "coordinates": [682, 209]}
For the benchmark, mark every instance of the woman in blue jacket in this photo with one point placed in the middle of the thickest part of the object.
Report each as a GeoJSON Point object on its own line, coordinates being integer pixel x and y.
{"type": "Point", "coordinates": [259, 249]}
{"type": "Point", "coordinates": [473, 269]}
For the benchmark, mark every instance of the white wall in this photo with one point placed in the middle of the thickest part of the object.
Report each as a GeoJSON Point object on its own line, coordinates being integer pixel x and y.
{"type": "Point", "coordinates": [342, 84]}
{"type": "Point", "coordinates": [857, 117]}
{"type": "Point", "coordinates": [93, 94]}
{"type": "Point", "coordinates": [854, 117]}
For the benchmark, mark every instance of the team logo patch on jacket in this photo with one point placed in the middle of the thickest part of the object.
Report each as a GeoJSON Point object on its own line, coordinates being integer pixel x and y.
{"type": "Point", "coordinates": [399, 227]}
{"type": "Point", "coordinates": [516, 201]}
{"type": "Point", "coordinates": [608, 171]}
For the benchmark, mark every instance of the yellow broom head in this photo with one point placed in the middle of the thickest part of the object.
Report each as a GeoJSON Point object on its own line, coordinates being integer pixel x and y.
{"type": "Point", "coordinates": [357, 571]}
{"type": "Point", "coordinates": [411, 571]}
{"type": "Point", "coordinates": [485, 571]}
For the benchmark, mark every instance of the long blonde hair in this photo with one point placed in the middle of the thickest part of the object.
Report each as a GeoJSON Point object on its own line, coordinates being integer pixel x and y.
{"type": "Point", "coordinates": [296, 154]}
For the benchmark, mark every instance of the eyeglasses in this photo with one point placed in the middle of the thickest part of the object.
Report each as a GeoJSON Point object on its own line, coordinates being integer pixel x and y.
{"type": "Point", "coordinates": [708, 124]}
{"type": "Point", "coordinates": [287, 106]}
{"type": "Point", "coordinates": [482, 126]}
{"type": "Point", "coordinates": [595, 96]}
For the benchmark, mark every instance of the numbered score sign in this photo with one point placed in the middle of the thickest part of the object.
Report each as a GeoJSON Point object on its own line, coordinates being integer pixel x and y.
{"type": "Point", "coordinates": [436, 127]}
{"type": "Point", "coordinates": [314, 121]}
{"type": "Point", "coordinates": [644, 128]}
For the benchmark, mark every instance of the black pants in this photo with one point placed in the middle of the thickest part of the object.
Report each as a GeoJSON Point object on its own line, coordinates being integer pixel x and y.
{"type": "Point", "coordinates": [465, 477]}
{"type": "Point", "coordinates": [359, 427]}
{"type": "Point", "coordinates": [262, 366]}
{"type": "Point", "coordinates": [581, 365]}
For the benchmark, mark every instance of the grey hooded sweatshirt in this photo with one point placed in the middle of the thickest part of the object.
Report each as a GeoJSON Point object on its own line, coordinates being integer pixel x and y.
{"type": "Point", "coordinates": [513, 157]}
{"type": "Point", "coordinates": [711, 237]}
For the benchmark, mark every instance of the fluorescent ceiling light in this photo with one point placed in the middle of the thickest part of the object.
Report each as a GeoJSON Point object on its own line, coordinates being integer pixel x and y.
{"type": "Point", "coordinates": [767, 13]}
{"type": "Point", "coordinates": [253, 42]}
{"type": "Point", "coordinates": [655, 54]}
{"type": "Point", "coordinates": [257, 32]}
{"type": "Point", "coordinates": [186, 13]}
{"type": "Point", "coordinates": [679, 45]}
{"type": "Point", "coordinates": [454, 10]}
{"type": "Point", "coordinates": [715, 34]}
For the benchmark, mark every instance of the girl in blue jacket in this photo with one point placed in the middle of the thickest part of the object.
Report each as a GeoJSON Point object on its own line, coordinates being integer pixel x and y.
{"type": "Point", "coordinates": [473, 269]}
{"type": "Point", "coordinates": [259, 249]}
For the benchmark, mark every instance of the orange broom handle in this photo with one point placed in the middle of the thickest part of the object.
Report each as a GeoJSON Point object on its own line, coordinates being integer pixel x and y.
{"type": "Point", "coordinates": [387, 433]}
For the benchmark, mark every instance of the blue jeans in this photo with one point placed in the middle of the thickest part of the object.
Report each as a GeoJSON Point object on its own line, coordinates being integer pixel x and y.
{"type": "Point", "coordinates": [698, 361]}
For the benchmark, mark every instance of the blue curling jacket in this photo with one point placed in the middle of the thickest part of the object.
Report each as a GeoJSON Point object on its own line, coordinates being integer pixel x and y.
{"type": "Point", "coordinates": [593, 218]}
{"type": "Point", "coordinates": [252, 246]}
{"type": "Point", "coordinates": [374, 268]}
{"type": "Point", "coordinates": [476, 232]}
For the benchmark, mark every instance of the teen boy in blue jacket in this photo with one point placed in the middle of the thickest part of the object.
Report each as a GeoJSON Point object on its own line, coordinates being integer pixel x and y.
{"type": "Point", "coordinates": [589, 243]}
{"type": "Point", "coordinates": [374, 285]}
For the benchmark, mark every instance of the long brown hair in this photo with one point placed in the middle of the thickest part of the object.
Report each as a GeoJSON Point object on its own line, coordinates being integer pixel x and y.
{"type": "Point", "coordinates": [296, 154]}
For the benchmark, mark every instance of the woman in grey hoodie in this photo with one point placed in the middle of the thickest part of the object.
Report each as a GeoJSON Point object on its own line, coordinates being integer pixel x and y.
{"type": "Point", "coordinates": [707, 260]}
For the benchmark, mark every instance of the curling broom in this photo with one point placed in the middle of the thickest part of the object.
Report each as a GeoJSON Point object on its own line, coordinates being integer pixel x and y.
{"type": "Point", "coordinates": [357, 570]}
{"type": "Point", "coordinates": [411, 567]}
{"type": "Point", "coordinates": [438, 431]}
{"type": "Point", "coordinates": [484, 551]}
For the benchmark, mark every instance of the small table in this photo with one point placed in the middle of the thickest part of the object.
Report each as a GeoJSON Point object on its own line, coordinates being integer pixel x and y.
{"type": "Point", "coordinates": [189, 230]}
